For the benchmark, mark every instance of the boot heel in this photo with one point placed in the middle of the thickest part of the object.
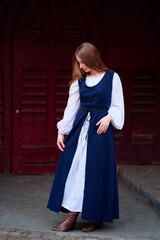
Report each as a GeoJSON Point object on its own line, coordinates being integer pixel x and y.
{"type": "Point", "coordinates": [68, 224]}
{"type": "Point", "coordinates": [72, 228]}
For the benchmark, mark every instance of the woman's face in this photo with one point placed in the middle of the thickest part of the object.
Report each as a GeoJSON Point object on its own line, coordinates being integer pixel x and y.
{"type": "Point", "coordinates": [82, 65]}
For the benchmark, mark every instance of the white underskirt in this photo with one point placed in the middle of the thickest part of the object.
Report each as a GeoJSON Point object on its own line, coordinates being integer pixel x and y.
{"type": "Point", "coordinates": [74, 186]}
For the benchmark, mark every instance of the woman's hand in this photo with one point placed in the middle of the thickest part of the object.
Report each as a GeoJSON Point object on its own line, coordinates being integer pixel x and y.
{"type": "Point", "coordinates": [60, 140]}
{"type": "Point", "coordinates": [103, 124]}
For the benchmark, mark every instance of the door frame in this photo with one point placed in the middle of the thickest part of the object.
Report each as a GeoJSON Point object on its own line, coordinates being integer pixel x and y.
{"type": "Point", "coordinates": [7, 69]}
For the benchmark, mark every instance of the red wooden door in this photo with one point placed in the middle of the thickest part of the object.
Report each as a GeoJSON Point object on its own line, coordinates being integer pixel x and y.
{"type": "Point", "coordinates": [41, 73]}
{"type": "Point", "coordinates": [1, 121]}
{"type": "Point", "coordinates": [46, 34]}
{"type": "Point", "coordinates": [34, 115]}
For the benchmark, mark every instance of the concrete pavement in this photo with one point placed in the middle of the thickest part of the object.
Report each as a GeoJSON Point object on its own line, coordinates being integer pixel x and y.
{"type": "Point", "coordinates": [145, 179]}
{"type": "Point", "coordinates": [23, 212]}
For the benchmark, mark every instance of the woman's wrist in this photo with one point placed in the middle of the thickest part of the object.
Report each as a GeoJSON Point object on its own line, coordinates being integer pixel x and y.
{"type": "Point", "coordinates": [60, 133]}
{"type": "Point", "coordinates": [109, 116]}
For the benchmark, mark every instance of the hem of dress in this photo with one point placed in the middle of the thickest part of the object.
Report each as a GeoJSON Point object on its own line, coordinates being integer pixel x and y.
{"type": "Point", "coordinates": [62, 209]}
{"type": "Point", "coordinates": [69, 209]}
{"type": "Point", "coordinates": [99, 220]}
{"type": "Point", "coordinates": [51, 209]}
{"type": "Point", "coordinates": [65, 210]}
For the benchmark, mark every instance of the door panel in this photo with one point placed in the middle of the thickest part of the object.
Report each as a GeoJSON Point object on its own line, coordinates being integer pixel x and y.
{"type": "Point", "coordinates": [62, 88]}
{"type": "Point", "coordinates": [144, 93]}
{"type": "Point", "coordinates": [34, 118]}
{"type": "Point", "coordinates": [34, 110]}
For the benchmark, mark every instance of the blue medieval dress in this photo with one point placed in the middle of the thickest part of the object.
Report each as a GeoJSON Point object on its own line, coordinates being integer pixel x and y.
{"type": "Point", "coordinates": [86, 176]}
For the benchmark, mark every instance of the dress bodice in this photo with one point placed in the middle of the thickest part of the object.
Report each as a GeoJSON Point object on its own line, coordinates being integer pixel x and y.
{"type": "Point", "coordinates": [99, 95]}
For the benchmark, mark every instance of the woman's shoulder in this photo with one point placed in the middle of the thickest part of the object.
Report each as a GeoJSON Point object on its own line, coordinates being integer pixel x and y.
{"type": "Point", "coordinates": [116, 80]}
{"type": "Point", "coordinates": [115, 74]}
{"type": "Point", "coordinates": [74, 83]}
{"type": "Point", "coordinates": [74, 86]}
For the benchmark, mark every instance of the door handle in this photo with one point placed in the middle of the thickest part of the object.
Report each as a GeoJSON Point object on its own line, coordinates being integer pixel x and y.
{"type": "Point", "coordinates": [17, 111]}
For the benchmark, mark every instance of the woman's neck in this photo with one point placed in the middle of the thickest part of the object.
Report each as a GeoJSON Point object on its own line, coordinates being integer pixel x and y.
{"type": "Point", "coordinates": [94, 73]}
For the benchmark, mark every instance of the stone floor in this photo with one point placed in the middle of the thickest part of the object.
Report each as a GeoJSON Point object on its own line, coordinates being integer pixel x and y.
{"type": "Point", "coordinates": [23, 212]}
{"type": "Point", "coordinates": [145, 179]}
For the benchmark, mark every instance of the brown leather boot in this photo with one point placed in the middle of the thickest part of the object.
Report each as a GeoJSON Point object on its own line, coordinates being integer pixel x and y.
{"type": "Point", "coordinates": [91, 226]}
{"type": "Point", "coordinates": [68, 223]}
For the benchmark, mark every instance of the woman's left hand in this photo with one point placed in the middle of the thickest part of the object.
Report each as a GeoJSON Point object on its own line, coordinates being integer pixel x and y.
{"type": "Point", "coordinates": [103, 124]}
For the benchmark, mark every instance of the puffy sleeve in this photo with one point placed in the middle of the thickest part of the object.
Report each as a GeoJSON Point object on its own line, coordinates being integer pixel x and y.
{"type": "Point", "coordinates": [116, 109]}
{"type": "Point", "coordinates": [64, 126]}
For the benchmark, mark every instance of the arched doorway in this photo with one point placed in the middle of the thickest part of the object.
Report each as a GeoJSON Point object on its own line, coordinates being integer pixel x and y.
{"type": "Point", "coordinates": [38, 43]}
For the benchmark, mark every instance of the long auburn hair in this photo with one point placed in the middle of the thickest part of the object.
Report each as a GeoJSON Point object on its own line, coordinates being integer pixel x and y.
{"type": "Point", "coordinates": [90, 56]}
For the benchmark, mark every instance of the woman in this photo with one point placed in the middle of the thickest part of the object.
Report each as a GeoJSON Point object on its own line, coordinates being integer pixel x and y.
{"type": "Point", "coordinates": [86, 179]}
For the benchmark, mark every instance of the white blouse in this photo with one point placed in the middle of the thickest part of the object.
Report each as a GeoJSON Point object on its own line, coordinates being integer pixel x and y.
{"type": "Point", "coordinates": [116, 109]}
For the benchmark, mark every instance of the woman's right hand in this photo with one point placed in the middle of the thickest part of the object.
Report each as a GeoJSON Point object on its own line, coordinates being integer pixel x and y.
{"type": "Point", "coordinates": [60, 140]}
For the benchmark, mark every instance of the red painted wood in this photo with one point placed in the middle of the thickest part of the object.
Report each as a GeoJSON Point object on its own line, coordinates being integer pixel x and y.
{"type": "Point", "coordinates": [41, 37]}
{"type": "Point", "coordinates": [7, 38]}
